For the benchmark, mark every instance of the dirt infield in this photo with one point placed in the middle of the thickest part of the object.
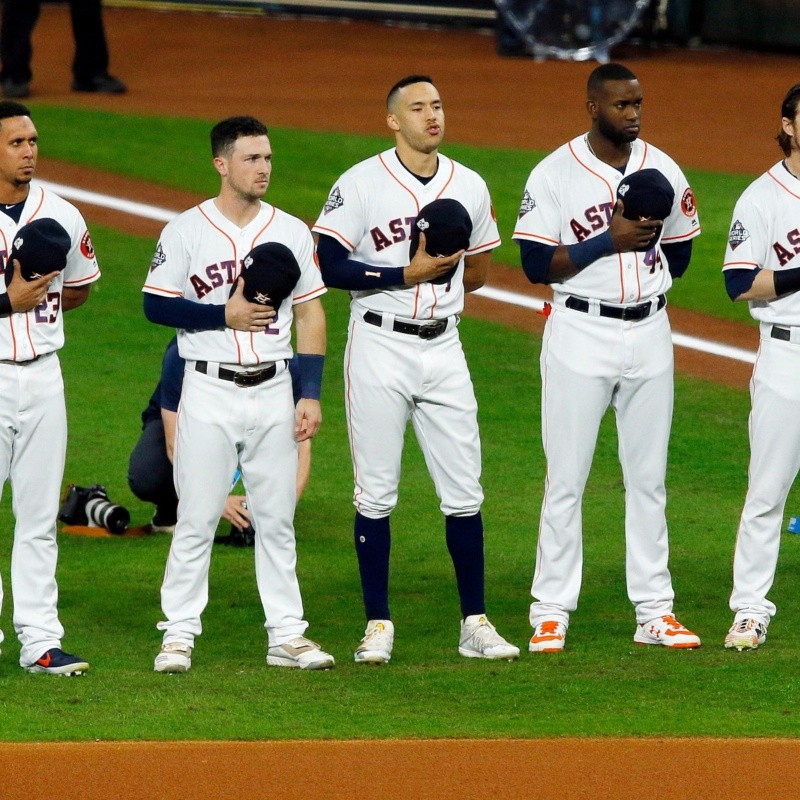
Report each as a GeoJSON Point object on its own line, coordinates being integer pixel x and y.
{"type": "Point", "coordinates": [709, 110]}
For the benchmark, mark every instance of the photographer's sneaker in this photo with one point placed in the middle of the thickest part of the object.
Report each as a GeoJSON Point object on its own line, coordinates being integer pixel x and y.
{"type": "Point", "coordinates": [666, 631]}
{"type": "Point", "coordinates": [174, 657]}
{"type": "Point", "coordinates": [376, 646]}
{"type": "Point", "coordinates": [162, 524]}
{"type": "Point", "coordinates": [548, 637]}
{"type": "Point", "coordinates": [480, 639]}
{"type": "Point", "coordinates": [300, 653]}
{"type": "Point", "coordinates": [56, 662]}
{"type": "Point", "coordinates": [746, 634]}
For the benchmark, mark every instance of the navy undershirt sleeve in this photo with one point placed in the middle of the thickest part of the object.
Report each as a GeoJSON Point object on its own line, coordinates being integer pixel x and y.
{"type": "Point", "coordinates": [739, 281]}
{"type": "Point", "coordinates": [339, 271]}
{"type": "Point", "coordinates": [178, 312]}
{"type": "Point", "coordinates": [678, 256]}
{"type": "Point", "coordinates": [536, 258]}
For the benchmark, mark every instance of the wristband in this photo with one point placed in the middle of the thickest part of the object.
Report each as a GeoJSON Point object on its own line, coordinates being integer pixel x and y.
{"type": "Point", "coordinates": [584, 253]}
{"type": "Point", "coordinates": [786, 280]}
{"type": "Point", "coordinates": [309, 367]}
{"type": "Point", "coordinates": [5, 305]}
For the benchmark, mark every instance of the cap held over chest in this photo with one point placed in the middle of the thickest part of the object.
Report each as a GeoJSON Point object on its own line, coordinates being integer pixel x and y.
{"type": "Point", "coordinates": [270, 274]}
{"type": "Point", "coordinates": [40, 247]}
{"type": "Point", "coordinates": [646, 194]}
{"type": "Point", "coordinates": [447, 227]}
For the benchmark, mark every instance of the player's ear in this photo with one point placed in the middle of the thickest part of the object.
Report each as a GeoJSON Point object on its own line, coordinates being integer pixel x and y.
{"type": "Point", "coordinates": [221, 166]}
{"type": "Point", "coordinates": [391, 121]}
{"type": "Point", "coordinates": [787, 125]}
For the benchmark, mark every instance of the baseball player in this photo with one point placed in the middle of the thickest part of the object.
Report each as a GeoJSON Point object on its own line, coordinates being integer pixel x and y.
{"type": "Point", "coordinates": [236, 406]}
{"type": "Point", "coordinates": [606, 342]}
{"type": "Point", "coordinates": [404, 358]}
{"type": "Point", "coordinates": [150, 469]}
{"type": "Point", "coordinates": [759, 267]}
{"type": "Point", "coordinates": [45, 240]}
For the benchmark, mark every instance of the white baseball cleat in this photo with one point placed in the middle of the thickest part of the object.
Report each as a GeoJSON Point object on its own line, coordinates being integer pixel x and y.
{"type": "Point", "coordinates": [746, 633]}
{"type": "Point", "coordinates": [174, 657]}
{"type": "Point", "coordinates": [299, 653]}
{"type": "Point", "coordinates": [666, 631]}
{"type": "Point", "coordinates": [376, 646]}
{"type": "Point", "coordinates": [548, 637]}
{"type": "Point", "coordinates": [479, 639]}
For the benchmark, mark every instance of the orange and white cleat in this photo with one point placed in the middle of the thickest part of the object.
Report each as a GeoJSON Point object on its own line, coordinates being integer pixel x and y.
{"type": "Point", "coordinates": [666, 631]}
{"type": "Point", "coordinates": [548, 637]}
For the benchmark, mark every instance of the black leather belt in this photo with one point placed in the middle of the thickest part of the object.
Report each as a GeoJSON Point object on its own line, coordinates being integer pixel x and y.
{"type": "Point", "coordinates": [625, 313]}
{"type": "Point", "coordinates": [23, 363]}
{"type": "Point", "coordinates": [243, 378]}
{"type": "Point", "coordinates": [784, 334]}
{"type": "Point", "coordinates": [430, 330]}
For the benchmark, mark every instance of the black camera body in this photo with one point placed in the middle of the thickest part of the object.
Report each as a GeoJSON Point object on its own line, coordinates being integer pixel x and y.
{"type": "Point", "coordinates": [90, 506]}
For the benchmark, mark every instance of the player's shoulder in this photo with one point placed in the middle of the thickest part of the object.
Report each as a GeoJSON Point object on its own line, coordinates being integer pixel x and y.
{"type": "Point", "coordinates": [557, 161]}
{"type": "Point", "coordinates": [53, 205]}
{"type": "Point", "coordinates": [280, 219]}
{"type": "Point", "coordinates": [373, 165]}
{"type": "Point", "coordinates": [654, 157]}
{"type": "Point", "coordinates": [461, 171]}
{"type": "Point", "coordinates": [776, 181]}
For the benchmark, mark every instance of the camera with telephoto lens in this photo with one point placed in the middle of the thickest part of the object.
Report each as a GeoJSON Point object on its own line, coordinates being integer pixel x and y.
{"type": "Point", "coordinates": [91, 506]}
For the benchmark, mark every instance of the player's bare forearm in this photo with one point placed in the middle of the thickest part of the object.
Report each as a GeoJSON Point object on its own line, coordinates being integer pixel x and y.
{"type": "Point", "coordinates": [242, 315]}
{"type": "Point", "coordinates": [762, 288]}
{"type": "Point", "coordinates": [309, 320]}
{"type": "Point", "coordinates": [476, 270]}
{"type": "Point", "coordinates": [169, 419]}
{"type": "Point", "coordinates": [74, 296]}
{"type": "Point", "coordinates": [308, 418]}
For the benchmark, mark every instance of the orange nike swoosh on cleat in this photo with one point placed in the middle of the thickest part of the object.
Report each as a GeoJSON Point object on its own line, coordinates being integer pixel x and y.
{"type": "Point", "coordinates": [45, 660]}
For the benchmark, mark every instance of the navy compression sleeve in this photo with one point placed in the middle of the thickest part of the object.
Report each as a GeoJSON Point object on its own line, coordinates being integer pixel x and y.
{"type": "Point", "coordinates": [536, 258]}
{"type": "Point", "coordinates": [738, 281]}
{"type": "Point", "coordinates": [678, 256]}
{"type": "Point", "coordinates": [178, 312]}
{"type": "Point", "coordinates": [339, 271]}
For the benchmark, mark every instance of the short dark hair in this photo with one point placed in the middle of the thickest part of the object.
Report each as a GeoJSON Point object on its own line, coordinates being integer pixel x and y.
{"type": "Point", "coordinates": [403, 82]}
{"type": "Point", "coordinates": [10, 108]}
{"type": "Point", "coordinates": [788, 110]}
{"type": "Point", "coordinates": [226, 132]}
{"type": "Point", "coordinates": [607, 72]}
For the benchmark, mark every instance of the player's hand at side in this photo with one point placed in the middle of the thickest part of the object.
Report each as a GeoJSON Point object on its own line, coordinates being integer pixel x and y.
{"type": "Point", "coordinates": [307, 419]}
{"type": "Point", "coordinates": [630, 234]}
{"type": "Point", "coordinates": [243, 315]}
{"type": "Point", "coordinates": [426, 268]}
{"type": "Point", "coordinates": [235, 511]}
{"type": "Point", "coordinates": [25, 295]}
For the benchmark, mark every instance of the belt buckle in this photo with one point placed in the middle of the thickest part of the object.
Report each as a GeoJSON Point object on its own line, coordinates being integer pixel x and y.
{"type": "Point", "coordinates": [432, 329]}
{"type": "Point", "coordinates": [635, 313]}
{"type": "Point", "coordinates": [247, 379]}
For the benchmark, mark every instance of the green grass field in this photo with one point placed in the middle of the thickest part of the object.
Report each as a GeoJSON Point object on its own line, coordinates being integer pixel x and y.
{"type": "Point", "coordinates": [602, 685]}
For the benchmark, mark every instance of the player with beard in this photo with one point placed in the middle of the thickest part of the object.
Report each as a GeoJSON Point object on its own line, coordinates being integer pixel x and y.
{"type": "Point", "coordinates": [607, 342]}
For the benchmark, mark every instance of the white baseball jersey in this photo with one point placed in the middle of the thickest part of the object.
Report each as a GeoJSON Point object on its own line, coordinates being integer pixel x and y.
{"type": "Point", "coordinates": [765, 232]}
{"type": "Point", "coordinates": [41, 330]}
{"type": "Point", "coordinates": [570, 196]}
{"type": "Point", "coordinates": [199, 256]}
{"type": "Point", "coordinates": [370, 212]}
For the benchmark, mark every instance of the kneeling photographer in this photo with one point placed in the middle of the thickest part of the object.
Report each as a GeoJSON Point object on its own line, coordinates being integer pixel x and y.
{"type": "Point", "coordinates": [150, 469]}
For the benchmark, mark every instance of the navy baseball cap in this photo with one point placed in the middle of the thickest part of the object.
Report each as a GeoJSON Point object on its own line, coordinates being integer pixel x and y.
{"type": "Point", "coordinates": [270, 274]}
{"type": "Point", "coordinates": [41, 247]}
{"type": "Point", "coordinates": [447, 227]}
{"type": "Point", "coordinates": [646, 194]}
